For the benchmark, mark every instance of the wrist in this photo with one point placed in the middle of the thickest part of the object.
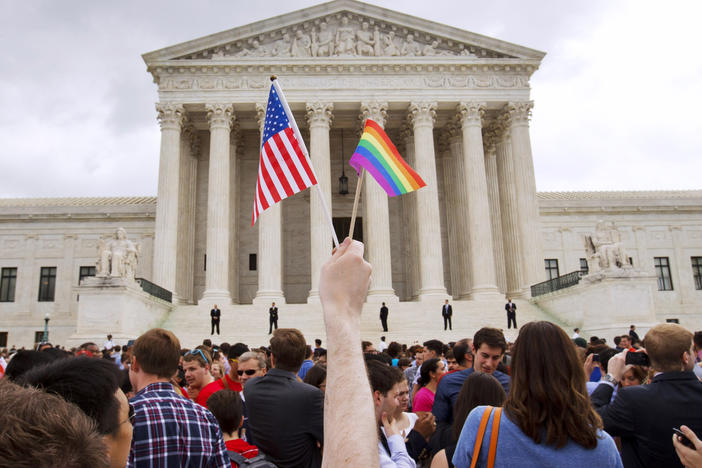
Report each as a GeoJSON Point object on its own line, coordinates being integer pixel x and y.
{"type": "Point", "coordinates": [611, 379]}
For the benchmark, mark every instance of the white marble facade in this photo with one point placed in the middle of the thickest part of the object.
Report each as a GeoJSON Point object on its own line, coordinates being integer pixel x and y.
{"type": "Point", "coordinates": [457, 106]}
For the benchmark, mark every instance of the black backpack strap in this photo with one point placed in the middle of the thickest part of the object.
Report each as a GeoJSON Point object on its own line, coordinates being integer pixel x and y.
{"type": "Point", "coordinates": [236, 457]}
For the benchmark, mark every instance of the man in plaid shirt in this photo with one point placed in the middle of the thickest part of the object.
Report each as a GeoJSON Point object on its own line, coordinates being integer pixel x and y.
{"type": "Point", "coordinates": [169, 430]}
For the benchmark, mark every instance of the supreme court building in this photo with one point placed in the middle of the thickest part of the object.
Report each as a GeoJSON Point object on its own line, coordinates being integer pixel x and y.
{"type": "Point", "coordinates": [457, 106]}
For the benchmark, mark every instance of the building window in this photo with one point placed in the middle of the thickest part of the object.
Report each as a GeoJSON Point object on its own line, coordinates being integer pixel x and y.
{"type": "Point", "coordinates": [697, 271]}
{"type": "Point", "coordinates": [38, 336]}
{"type": "Point", "coordinates": [3, 339]}
{"type": "Point", "coordinates": [84, 272]}
{"type": "Point", "coordinates": [8, 281]}
{"type": "Point", "coordinates": [584, 268]}
{"type": "Point", "coordinates": [252, 262]}
{"type": "Point", "coordinates": [551, 268]}
{"type": "Point", "coordinates": [662, 265]}
{"type": "Point", "coordinates": [47, 284]}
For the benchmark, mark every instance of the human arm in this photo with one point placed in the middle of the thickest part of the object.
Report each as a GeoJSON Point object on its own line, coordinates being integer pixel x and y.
{"type": "Point", "coordinates": [343, 285]}
{"type": "Point", "coordinates": [617, 416]}
{"type": "Point", "coordinates": [398, 451]}
{"type": "Point", "coordinates": [439, 460]}
{"type": "Point", "coordinates": [418, 438]}
{"type": "Point", "coordinates": [442, 408]}
{"type": "Point", "coordinates": [690, 457]}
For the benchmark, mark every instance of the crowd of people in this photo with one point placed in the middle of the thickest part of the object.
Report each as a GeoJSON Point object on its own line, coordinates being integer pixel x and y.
{"type": "Point", "coordinates": [545, 400]}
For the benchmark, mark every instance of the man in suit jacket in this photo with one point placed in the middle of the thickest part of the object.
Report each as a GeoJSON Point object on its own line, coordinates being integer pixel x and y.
{"type": "Point", "coordinates": [286, 416]}
{"type": "Point", "coordinates": [384, 317]}
{"type": "Point", "coordinates": [511, 309]}
{"type": "Point", "coordinates": [215, 315]}
{"type": "Point", "coordinates": [446, 313]}
{"type": "Point", "coordinates": [633, 335]}
{"type": "Point", "coordinates": [644, 415]}
{"type": "Point", "coordinates": [272, 318]}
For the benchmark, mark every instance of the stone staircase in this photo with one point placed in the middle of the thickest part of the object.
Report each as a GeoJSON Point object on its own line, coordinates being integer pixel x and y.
{"type": "Point", "coordinates": [408, 322]}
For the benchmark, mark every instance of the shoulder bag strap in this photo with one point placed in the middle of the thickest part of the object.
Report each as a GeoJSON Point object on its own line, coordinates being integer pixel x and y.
{"type": "Point", "coordinates": [493, 437]}
{"type": "Point", "coordinates": [225, 382]}
{"type": "Point", "coordinates": [481, 434]}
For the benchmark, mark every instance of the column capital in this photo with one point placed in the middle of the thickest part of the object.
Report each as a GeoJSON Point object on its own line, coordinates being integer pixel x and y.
{"type": "Point", "coordinates": [422, 113]}
{"type": "Point", "coordinates": [220, 116]}
{"type": "Point", "coordinates": [374, 110]}
{"type": "Point", "coordinates": [260, 115]}
{"type": "Point", "coordinates": [319, 114]}
{"type": "Point", "coordinates": [471, 113]}
{"type": "Point", "coordinates": [519, 111]}
{"type": "Point", "coordinates": [171, 116]}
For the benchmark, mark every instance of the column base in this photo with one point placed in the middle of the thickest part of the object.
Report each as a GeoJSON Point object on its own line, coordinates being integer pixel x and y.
{"type": "Point", "coordinates": [431, 294]}
{"type": "Point", "coordinates": [313, 297]}
{"type": "Point", "coordinates": [483, 293]}
{"type": "Point", "coordinates": [221, 297]}
{"type": "Point", "coordinates": [382, 295]}
{"type": "Point", "coordinates": [267, 297]}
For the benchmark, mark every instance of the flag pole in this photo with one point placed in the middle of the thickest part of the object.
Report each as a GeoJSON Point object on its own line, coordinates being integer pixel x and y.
{"type": "Point", "coordinates": [288, 112]}
{"type": "Point", "coordinates": [355, 202]}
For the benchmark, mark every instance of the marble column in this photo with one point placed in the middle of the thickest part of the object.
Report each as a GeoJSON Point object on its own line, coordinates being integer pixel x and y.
{"type": "Point", "coordinates": [220, 118]}
{"type": "Point", "coordinates": [430, 256]}
{"type": "Point", "coordinates": [234, 152]}
{"type": "Point", "coordinates": [493, 191]}
{"type": "Point", "coordinates": [376, 220]}
{"type": "Point", "coordinates": [171, 118]}
{"type": "Point", "coordinates": [185, 266]}
{"type": "Point", "coordinates": [457, 198]}
{"type": "Point", "coordinates": [528, 208]}
{"type": "Point", "coordinates": [409, 208]}
{"type": "Point", "coordinates": [482, 261]}
{"type": "Point", "coordinates": [507, 188]}
{"type": "Point", "coordinates": [270, 244]}
{"type": "Point", "coordinates": [319, 118]}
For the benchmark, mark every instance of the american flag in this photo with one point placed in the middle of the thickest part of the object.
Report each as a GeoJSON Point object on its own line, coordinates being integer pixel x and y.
{"type": "Point", "coordinates": [283, 169]}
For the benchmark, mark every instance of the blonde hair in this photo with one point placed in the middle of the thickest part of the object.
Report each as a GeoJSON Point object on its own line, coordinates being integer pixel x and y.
{"type": "Point", "coordinates": [665, 345]}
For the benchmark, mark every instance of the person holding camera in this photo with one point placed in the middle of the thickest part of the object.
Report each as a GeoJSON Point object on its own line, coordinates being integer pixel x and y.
{"type": "Point", "coordinates": [644, 415]}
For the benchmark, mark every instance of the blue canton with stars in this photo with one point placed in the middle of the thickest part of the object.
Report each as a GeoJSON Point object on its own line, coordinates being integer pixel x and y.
{"type": "Point", "coordinates": [276, 119]}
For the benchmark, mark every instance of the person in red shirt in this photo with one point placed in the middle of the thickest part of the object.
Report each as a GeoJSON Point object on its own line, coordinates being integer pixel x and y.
{"type": "Point", "coordinates": [227, 408]}
{"type": "Point", "coordinates": [201, 384]}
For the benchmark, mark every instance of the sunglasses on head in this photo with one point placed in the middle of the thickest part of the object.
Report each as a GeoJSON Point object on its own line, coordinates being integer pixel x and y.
{"type": "Point", "coordinates": [247, 372]}
{"type": "Point", "coordinates": [197, 351]}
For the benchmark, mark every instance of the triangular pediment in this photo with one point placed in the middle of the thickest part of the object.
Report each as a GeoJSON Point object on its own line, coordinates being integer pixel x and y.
{"type": "Point", "coordinates": [341, 30]}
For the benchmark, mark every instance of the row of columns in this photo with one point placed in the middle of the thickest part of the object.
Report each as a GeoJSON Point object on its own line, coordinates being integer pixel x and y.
{"type": "Point", "coordinates": [491, 209]}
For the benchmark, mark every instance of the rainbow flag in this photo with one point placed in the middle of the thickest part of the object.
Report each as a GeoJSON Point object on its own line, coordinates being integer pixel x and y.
{"type": "Point", "coordinates": [377, 155]}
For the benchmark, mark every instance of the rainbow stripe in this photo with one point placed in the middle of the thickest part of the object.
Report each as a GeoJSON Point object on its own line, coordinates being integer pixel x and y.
{"type": "Point", "coordinates": [377, 155]}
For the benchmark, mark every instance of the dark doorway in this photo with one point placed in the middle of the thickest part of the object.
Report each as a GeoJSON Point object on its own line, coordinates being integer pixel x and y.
{"type": "Point", "coordinates": [342, 225]}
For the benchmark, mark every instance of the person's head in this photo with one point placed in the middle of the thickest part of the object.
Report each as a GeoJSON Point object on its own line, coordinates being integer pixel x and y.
{"type": "Point", "coordinates": [382, 338]}
{"type": "Point", "coordinates": [403, 363]}
{"type": "Point", "coordinates": [233, 353]}
{"type": "Point", "coordinates": [317, 342]}
{"type": "Point", "coordinates": [320, 356]}
{"type": "Point", "coordinates": [403, 397]}
{"type": "Point", "coordinates": [196, 365]}
{"type": "Point", "coordinates": [89, 349]}
{"type": "Point", "coordinates": [317, 377]}
{"type": "Point", "coordinates": [288, 348]}
{"type": "Point", "coordinates": [433, 349]}
{"type": "Point", "coordinates": [669, 347]}
{"type": "Point", "coordinates": [633, 327]}
{"type": "Point", "coordinates": [394, 349]}
{"type": "Point", "coordinates": [446, 302]}
{"type": "Point", "coordinates": [40, 429]}
{"type": "Point", "coordinates": [478, 389]}
{"type": "Point", "coordinates": [93, 385]}
{"type": "Point", "coordinates": [431, 371]}
{"type": "Point", "coordinates": [489, 345]}
{"type": "Point", "coordinates": [462, 351]}
{"type": "Point", "coordinates": [24, 360]}
{"type": "Point", "coordinates": [155, 356]}
{"type": "Point", "coordinates": [385, 384]}
{"type": "Point", "coordinates": [367, 347]}
{"type": "Point", "coordinates": [624, 342]}
{"type": "Point", "coordinates": [605, 355]}
{"type": "Point", "coordinates": [576, 330]}
{"type": "Point", "coordinates": [309, 352]}
{"type": "Point", "coordinates": [451, 361]}
{"type": "Point", "coordinates": [617, 341]}
{"type": "Point", "coordinates": [217, 370]}
{"type": "Point", "coordinates": [633, 375]}
{"type": "Point", "coordinates": [109, 337]}
{"type": "Point", "coordinates": [227, 408]}
{"type": "Point", "coordinates": [251, 364]}
{"type": "Point", "coordinates": [207, 342]}
{"type": "Point", "coordinates": [548, 399]}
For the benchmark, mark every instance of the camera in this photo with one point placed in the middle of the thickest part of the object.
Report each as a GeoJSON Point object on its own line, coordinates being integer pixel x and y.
{"type": "Point", "coordinates": [638, 359]}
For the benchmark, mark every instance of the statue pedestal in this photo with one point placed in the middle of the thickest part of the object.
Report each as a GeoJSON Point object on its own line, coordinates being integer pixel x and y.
{"type": "Point", "coordinates": [116, 306]}
{"type": "Point", "coordinates": [605, 303]}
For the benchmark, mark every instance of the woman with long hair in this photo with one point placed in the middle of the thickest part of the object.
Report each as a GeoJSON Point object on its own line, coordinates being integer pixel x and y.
{"type": "Point", "coordinates": [548, 419]}
{"type": "Point", "coordinates": [477, 389]}
{"type": "Point", "coordinates": [430, 373]}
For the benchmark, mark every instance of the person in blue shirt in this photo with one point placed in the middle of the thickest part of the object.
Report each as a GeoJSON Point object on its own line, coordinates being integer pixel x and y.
{"type": "Point", "coordinates": [489, 346]}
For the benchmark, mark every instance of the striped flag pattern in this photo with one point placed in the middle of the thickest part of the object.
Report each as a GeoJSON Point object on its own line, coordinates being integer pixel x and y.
{"type": "Point", "coordinates": [283, 169]}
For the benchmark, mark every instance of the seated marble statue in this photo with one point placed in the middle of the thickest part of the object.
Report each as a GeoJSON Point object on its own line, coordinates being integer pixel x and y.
{"type": "Point", "coordinates": [604, 248]}
{"type": "Point", "coordinates": [117, 257]}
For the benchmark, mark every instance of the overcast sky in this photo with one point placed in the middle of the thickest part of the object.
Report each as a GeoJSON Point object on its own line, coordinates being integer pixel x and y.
{"type": "Point", "coordinates": [617, 98]}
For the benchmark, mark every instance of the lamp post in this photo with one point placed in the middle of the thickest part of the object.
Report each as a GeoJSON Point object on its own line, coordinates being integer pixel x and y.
{"type": "Point", "coordinates": [45, 337]}
{"type": "Point", "coordinates": [343, 180]}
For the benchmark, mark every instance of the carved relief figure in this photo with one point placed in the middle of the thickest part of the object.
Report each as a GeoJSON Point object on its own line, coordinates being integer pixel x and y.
{"type": "Point", "coordinates": [282, 47]}
{"type": "Point", "coordinates": [324, 46]}
{"type": "Point", "coordinates": [366, 41]}
{"type": "Point", "coordinates": [430, 49]}
{"type": "Point", "coordinates": [117, 257]}
{"type": "Point", "coordinates": [391, 48]}
{"type": "Point", "coordinates": [604, 248]}
{"type": "Point", "coordinates": [257, 50]}
{"type": "Point", "coordinates": [411, 47]}
{"type": "Point", "coordinates": [301, 46]}
{"type": "Point", "coordinates": [345, 38]}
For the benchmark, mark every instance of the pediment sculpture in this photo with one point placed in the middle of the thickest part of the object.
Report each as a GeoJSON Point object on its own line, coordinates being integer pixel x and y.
{"type": "Point", "coordinates": [605, 250]}
{"type": "Point", "coordinates": [117, 256]}
{"type": "Point", "coordinates": [342, 36]}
